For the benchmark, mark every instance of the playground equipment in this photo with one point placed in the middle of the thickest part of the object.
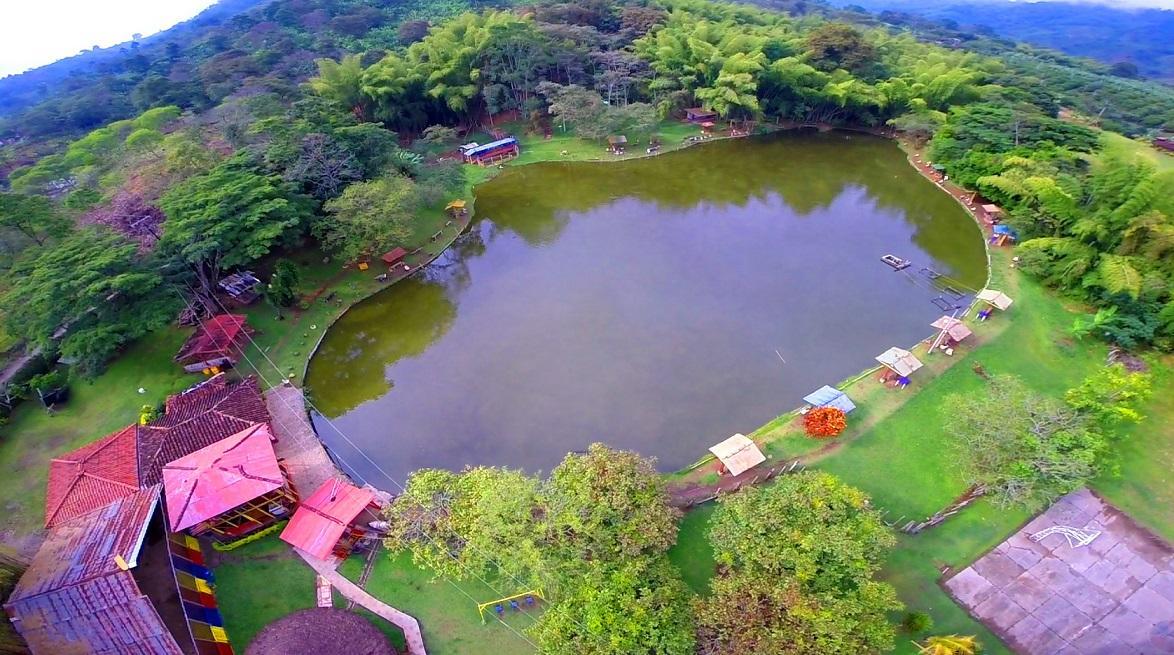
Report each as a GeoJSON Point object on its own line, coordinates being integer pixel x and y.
{"type": "Point", "coordinates": [499, 608]}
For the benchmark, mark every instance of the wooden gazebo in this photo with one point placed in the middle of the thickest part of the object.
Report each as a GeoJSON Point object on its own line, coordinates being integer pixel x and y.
{"type": "Point", "coordinates": [228, 489]}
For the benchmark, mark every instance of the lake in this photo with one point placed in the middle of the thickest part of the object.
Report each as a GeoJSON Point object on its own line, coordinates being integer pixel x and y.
{"type": "Point", "coordinates": [658, 305]}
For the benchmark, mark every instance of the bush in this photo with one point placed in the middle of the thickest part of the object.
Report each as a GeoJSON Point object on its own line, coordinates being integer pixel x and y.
{"type": "Point", "coordinates": [917, 622]}
{"type": "Point", "coordinates": [46, 382]}
{"type": "Point", "coordinates": [824, 422]}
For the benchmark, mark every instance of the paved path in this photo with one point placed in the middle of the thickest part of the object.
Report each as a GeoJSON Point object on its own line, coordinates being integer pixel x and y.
{"type": "Point", "coordinates": [297, 445]}
{"type": "Point", "coordinates": [406, 623]}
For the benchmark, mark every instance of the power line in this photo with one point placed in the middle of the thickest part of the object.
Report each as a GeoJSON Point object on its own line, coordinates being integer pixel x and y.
{"type": "Point", "coordinates": [464, 568]}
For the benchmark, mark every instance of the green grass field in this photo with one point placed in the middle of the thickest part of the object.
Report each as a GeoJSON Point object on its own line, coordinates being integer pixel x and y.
{"type": "Point", "coordinates": [259, 583]}
{"type": "Point", "coordinates": [95, 408]}
{"type": "Point", "coordinates": [1122, 146]}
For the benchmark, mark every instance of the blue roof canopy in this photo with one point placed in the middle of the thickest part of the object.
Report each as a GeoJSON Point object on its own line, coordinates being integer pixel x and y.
{"type": "Point", "coordinates": [509, 140]}
{"type": "Point", "coordinates": [827, 396]}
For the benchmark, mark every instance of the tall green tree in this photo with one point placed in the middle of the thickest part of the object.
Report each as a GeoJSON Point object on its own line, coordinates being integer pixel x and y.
{"type": "Point", "coordinates": [369, 217]}
{"type": "Point", "coordinates": [87, 295]}
{"type": "Point", "coordinates": [230, 216]}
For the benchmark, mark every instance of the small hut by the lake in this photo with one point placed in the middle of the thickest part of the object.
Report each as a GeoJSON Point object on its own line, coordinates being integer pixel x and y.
{"type": "Point", "coordinates": [1003, 235]}
{"type": "Point", "coordinates": [456, 208]}
{"type": "Point", "coordinates": [228, 489]}
{"type": "Point", "coordinates": [994, 213]}
{"type": "Point", "coordinates": [996, 299]}
{"type": "Point", "coordinates": [616, 143]}
{"type": "Point", "coordinates": [333, 520]}
{"type": "Point", "coordinates": [216, 342]}
{"type": "Point", "coordinates": [700, 115]}
{"type": "Point", "coordinates": [899, 362]}
{"type": "Point", "coordinates": [394, 256]}
{"type": "Point", "coordinates": [829, 396]}
{"type": "Point", "coordinates": [738, 454]}
{"type": "Point", "coordinates": [951, 331]}
{"type": "Point", "coordinates": [491, 153]}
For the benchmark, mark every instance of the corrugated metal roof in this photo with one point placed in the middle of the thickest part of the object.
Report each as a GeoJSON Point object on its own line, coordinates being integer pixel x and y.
{"type": "Point", "coordinates": [827, 396]}
{"type": "Point", "coordinates": [222, 476]}
{"type": "Point", "coordinates": [322, 518]}
{"type": "Point", "coordinates": [472, 152]}
{"type": "Point", "coordinates": [76, 598]}
{"type": "Point", "coordinates": [92, 477]}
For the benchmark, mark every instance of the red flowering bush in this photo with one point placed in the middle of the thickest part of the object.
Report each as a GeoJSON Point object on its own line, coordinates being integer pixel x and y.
{"type": "Point", "coordinates": [824, 422]}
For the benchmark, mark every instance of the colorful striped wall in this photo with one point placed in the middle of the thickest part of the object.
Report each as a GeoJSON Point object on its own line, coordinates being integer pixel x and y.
{"type": "Point", "coordinates": [197, 591]}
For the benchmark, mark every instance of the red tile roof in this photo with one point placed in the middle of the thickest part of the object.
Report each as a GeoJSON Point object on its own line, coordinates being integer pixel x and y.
{"type": "Point", "coordinates": [322, 518]}
{"type": "Point", "coordinates": [213, 338]}
{"type": "Point", "coordinates": [394, 255]}
{"type": "Point", "coordinates": [76, 598]}
{"type": "Point", "coordinates": [92, 476]}
{"type": "Point", "coordinates": [197, 419]}
{"type": "Point", "coordinates": [222, 476]}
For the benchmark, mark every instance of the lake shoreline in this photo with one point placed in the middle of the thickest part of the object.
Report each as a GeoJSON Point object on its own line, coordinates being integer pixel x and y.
{"type": "Point", "coordinates": [680, 475]}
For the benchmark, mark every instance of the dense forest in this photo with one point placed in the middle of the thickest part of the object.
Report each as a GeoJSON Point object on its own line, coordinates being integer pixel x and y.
{"type": "Point", "coordinates": [1134, 37]}
{"type": "Point", "coordinates": [198, 154]}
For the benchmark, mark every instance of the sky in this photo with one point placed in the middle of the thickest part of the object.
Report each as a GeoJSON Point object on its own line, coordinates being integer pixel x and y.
{"type": "Point", "coordinates": [38, 32]}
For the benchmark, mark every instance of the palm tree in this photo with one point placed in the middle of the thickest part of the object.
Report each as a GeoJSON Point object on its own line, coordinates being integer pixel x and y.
{"type": "Point", "coordinates": [949, 645]}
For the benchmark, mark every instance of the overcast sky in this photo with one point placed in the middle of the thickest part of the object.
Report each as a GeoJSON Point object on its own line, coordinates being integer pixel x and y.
{"type": "Point", "coordinates": [38, 32]}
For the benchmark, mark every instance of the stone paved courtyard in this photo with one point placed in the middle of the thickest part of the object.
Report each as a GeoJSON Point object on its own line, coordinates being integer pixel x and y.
{"type": "Point", "coordinates": [1114, 596]}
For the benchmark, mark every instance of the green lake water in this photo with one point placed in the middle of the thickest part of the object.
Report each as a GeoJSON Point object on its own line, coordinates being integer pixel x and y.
{"type": "Point", "coordinates": [659, 305]}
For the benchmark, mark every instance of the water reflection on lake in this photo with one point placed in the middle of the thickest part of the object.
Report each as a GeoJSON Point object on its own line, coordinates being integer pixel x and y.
{"type": "Point", "coordinates": [648, 304]}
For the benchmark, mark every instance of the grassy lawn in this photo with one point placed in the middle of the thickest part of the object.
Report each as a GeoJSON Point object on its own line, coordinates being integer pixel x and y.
{"type": "Point", "coordinates": [448, 617]}
{"type": "Point", "coordinates": [96, 408]}
{"type": "Point", "coordinates": [692, 553]}
{"type": "Point", "coordinates": [1122, 146]}
{"type": "Point", "coordinates": [907, 464]}
{"type": "Point", "coordinates": [259, 583]}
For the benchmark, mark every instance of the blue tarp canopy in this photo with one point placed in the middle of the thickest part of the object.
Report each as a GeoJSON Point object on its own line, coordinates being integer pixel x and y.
{"type": "Point", "coordinates": [508, 141]}
{"type": "Point", "coordinates": [1005, 229]}
{"type": "Point", "coordinates": [826, 396]}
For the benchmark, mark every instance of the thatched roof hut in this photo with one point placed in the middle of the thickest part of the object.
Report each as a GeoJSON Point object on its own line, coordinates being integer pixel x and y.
{"type": "Point", "coordinates": [321, 631]}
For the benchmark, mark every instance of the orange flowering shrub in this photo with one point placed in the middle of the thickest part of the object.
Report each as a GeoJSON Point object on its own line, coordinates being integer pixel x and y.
{"type": "Point", "coordinates": [824, 422]}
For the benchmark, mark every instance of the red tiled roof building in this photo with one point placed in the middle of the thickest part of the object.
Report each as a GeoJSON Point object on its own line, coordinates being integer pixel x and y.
{"type": "Point", "coordinates": [220, 337]}
{"type": "Point", "coordinates": [325, 523]}
{"type": "Point", "coordinates": [92, 477]}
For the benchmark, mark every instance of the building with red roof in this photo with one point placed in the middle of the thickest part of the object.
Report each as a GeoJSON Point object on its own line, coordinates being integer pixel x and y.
{"type": "Point", "coordinates": [228, 489]}
{"type": "Point", "coordinates": [216, 341]}
{"type": "Point", "coordinates": [197, 418]}
{"type": "Point", "coordinates": [80, 593]}
{"type": "Point", "coordinates": [92, 477]}
{"type": "Point", "coordinates": [331, 521]}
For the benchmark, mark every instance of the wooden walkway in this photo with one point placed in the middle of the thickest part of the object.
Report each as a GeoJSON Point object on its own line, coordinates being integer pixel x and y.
{"type": "Point", "coordinates": [297, 445]}
{"type": "Point", "coordinates": [351, 591]}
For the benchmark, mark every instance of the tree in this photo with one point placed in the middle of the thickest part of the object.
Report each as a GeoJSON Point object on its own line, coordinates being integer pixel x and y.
{"type": "Point", "coordinates": [33, 217]}
{"type": "Point", "coordinates": [282, 290]}
{"type": "Point", "coordinates": [322, 167]}
{"type": "Point", "coordinates": [609, 504]}
{"type": "Point", "coordinates": [369, 217]}
{"type": "Point", "coordinates": [411, 31]}
{"type": "Point", "coordinates": [629, 607]}
{"type": "Point", "coordinates": [1111, 395]}
{"type": "Point", "coordinates": [227, 217]}
{"type": "Point", "coordinates": [1025, 449]}
{"type": "Point", "coordinates": [91, 290]}
{"type": "Point", "coordinates": [824, 422]}
{"type": "Point", "coordinates": [129, 215]}
{"type": "Point", "coordinates": [809, 527]}
{"type": "Point", "coordinates": [949, 645]}
{"type": "Point", "coordinates": [751, 614]}
{"type": "Point", "coordinates": [796, 562]}
{"type": "Point", "coordinates": [839, 45]}
{"type": "Point", "coordinates": [341, 82]}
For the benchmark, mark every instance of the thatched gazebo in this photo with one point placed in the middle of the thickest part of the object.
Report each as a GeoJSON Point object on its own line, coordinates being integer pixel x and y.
{"type": "Point", "coordinates": [321, 631]}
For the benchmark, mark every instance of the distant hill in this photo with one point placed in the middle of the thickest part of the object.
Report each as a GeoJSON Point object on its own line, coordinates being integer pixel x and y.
{"type": "Point", "coordinates": [1109, 34]}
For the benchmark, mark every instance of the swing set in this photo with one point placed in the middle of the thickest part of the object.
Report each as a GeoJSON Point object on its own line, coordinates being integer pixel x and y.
{"type": "Point", "coordinates": [499, 608]}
